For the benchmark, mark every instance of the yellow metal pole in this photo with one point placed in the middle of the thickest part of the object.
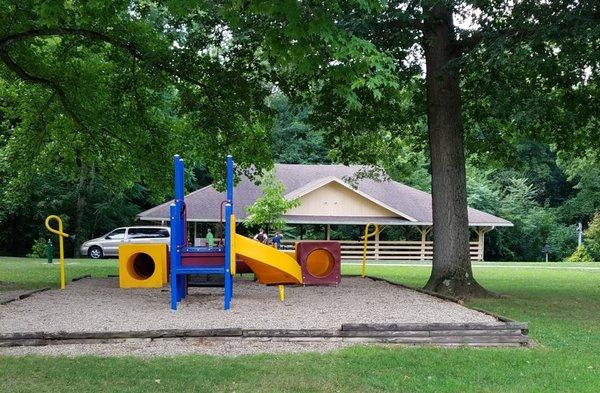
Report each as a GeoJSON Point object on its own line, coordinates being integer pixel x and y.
{"type": "Point", "coordinates": [232, 257]}
{"type": "Point", "coordinates": [363, 267]}
{"type": "Point", "coordinates": [61, 235]}
{"type": "Point", "coordinates": [62, 261]}
{"type": "Point", "coordinates": [281, 292]}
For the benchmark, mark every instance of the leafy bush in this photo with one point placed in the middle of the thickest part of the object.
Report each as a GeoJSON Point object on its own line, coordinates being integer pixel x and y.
{"type": "Point", "coordinates": [562, 240]}
{"type": "Point", "coordinates": [592, 237]}
{"type": "Point", "coordinates": [580, 255]}
{"type": "Point", "coordinates": [38, 250]}
{"type": "Point", "coordinates": [532, 222]}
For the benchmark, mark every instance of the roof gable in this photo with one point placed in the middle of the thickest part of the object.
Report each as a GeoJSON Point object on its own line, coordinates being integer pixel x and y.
{"type": "Point", "coordinates": [331, 196]}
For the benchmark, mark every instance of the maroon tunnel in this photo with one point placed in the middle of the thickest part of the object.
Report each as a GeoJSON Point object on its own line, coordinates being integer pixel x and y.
{"type": "Point", "coordinates": [320, 262]}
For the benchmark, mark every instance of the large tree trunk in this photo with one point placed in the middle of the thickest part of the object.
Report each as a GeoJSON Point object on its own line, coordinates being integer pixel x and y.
{"type": "Point", "coordinates": [451, 273]}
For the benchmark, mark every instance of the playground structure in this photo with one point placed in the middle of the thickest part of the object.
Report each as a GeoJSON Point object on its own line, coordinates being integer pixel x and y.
{"type": "Point", "coordinates": [311, 263]}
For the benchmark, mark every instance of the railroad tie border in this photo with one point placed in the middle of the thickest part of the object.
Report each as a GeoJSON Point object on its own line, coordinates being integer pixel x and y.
{"type": "Point", "coordinates": [474, 334]}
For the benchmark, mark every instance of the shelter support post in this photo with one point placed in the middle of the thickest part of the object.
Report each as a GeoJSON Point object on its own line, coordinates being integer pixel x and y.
{"type": "Point", "coordinates": [424, 231]}
{"type": "Point", "coordinates": [377, 245]}
{"type": "Point", "coordinates": [481, 231]}
{"type": "Point", "coordinates": [328, 232]}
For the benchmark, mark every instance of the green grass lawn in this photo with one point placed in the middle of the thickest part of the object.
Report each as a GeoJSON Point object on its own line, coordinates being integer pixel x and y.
{"type": "Point", "coordinates": [562, 307]}
{"type": "Point", "coordinates": [32, 273]}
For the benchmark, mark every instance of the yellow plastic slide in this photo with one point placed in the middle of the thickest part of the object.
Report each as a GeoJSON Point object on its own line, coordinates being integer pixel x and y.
{"type": "Point", "coordinates": [269, 265]}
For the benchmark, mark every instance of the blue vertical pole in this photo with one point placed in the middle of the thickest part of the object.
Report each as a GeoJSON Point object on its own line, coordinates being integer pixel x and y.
{"type": "Point", "coordinates": [178, 189]}
{"type": "Point", "coordinates": [177, 214]}
{"type": "Point", "coordinates": [227, 276]}
{"type": "Point", "coordinates": [174, 253]}
{"type": "Point", "coordinates": [228, 248]}
{"type": "Point", "coordinates": [180, 198]}
{"type": "Point", "coordinates": [230, 180]}
{"type": "Point", "coordinates": [182, 231]}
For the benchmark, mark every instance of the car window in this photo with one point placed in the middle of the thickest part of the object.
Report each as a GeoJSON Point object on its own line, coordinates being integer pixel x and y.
{"type": "Point", "coordinates": [148, 233]}
{"type": "Point", "coordinates": [163, 233]}
{"type": "Point", "coordinates": [117, 234]}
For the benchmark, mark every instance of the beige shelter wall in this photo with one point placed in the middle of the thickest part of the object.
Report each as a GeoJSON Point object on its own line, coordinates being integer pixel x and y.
{"type": "Point", "coordinates": [333, 199]}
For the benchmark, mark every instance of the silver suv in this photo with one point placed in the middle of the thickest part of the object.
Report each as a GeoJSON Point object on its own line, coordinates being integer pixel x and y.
{"type": "Point", "coordinates": [108, 245]}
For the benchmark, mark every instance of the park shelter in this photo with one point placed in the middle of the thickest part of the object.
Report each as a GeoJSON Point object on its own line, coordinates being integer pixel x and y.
{"type": "Point", "coordinates": [339, 195]}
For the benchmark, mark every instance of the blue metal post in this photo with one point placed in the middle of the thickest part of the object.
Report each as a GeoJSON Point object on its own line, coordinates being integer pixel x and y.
{"type": "Point", "coordinates": [230, 180]}
{"type": "Point", "coordinates": [177, 214]}
{"type": "Point", "coordinates": [180, 198]}
{"type": "Point", "coordinates": [178, 189]}
{"type": "Point", "coordinates": [228, 249]}
{"type": "Point", "coordinates": [174, 252]}
{"type": "Point", "coordinates": [227, 275]}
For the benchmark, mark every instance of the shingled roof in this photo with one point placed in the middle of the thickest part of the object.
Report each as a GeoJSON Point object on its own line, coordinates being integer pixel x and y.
{"type": "Point", "coordinates": [412, 206]}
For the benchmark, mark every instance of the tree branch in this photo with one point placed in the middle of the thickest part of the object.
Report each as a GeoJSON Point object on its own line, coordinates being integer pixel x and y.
{"type": "Point", "coordinates": [57, 89]}
{"type": "Point", "coordinates": [23, 74]}
{"type": "Point", "coordinates": [401, 24]}
{"type": "Point", "coordinates": [468, 43]}
{"type": "Point", "coordinates": [129, 47]}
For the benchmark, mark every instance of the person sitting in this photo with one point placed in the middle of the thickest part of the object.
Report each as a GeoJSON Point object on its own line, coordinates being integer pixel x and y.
{"type": "Point", "coordinates": [261, 236]}
{"type": "Point", "coordinates": [277, 239]}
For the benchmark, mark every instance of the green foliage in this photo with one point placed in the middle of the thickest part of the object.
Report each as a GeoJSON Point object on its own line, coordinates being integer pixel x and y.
{"type": "Point", "coordinates": [269, 208]}
{"type": "Point", "coordinates": [535, 225]}
{"type": "Point", "coordinates": [121, 86]}
{"type": "Point", "coordinates": [592, 238]}
{"type": "Point", "coordinates": [87, 205]}
{"type": "Point", "coordinates": [529, 78]}
{"type": "Point", "coordinates": [584, 172]}
{"type": "Point", "coordinates": [562, 240]}
{"type": "Point", "coordinates": [580, 255]}
{"type": "Point", "coordinates": [95, 97]}
{"type": "Point", "coordinates": [483, 192]}
{"type": "Point", "coordinates": [406, 164]}
{"type": "Point", "coordinates": [38, 250]}
{"type": "Point", "coordinates": [294, 140]}
{"type": "Point", "coordinates": [531, 222]}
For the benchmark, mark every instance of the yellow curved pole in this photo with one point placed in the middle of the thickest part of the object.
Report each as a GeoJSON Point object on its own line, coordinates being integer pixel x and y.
{"type": "Point", "coordinates": [363, 268]}
{"type": "Point", "coordinates": [232, 257]}
{"type": "Point", "coordinates": [61, 235]}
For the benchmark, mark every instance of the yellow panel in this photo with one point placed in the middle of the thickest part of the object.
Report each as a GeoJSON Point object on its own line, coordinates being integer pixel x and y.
{"type": "Point", "coordinates": [142, 265]}
{"type": "Point", "coordinates": [268, 264]}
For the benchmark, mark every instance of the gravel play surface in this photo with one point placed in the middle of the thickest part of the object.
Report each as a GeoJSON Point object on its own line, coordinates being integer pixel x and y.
{"type": "Point", "coordinates": [99, 305]}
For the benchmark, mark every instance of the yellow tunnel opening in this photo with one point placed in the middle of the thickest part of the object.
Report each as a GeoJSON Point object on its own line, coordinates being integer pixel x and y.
{"type": "Point", "coordinates": [319, 263]}
{"type": "Point", "coordinates": [141, 266]}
